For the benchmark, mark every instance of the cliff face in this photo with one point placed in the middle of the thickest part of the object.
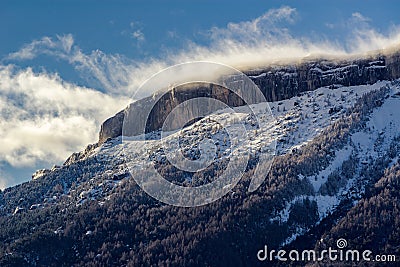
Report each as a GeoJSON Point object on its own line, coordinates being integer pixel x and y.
{"type": "Point", "coordinates": [112, 127]}
{"type": "Point", "coordinates": [137, 118]}
{"type": "Point", "coordinates": [285, 82]}
{"type": "Point", "coordinates": [136, 114]}
{"type": "Point", "coordinates": [276, 83]}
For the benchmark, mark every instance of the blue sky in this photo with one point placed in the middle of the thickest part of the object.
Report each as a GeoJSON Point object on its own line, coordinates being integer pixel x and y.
{"type": "Point", "coordinates": [55, 52]}
{"type": "Point", "coordinates": [166, 25]}
{"type": "Point", "coordinates": [143, 30]}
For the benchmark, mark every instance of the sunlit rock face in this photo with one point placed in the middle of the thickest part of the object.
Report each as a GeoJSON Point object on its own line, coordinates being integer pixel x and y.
{"type": "Point", "coordinates": [276, 83]}
{"type": "Point", "coordinates": [137, 118]}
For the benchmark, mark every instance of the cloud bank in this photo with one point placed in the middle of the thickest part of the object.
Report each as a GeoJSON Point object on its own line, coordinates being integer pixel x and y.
{"type": "Point", "coordinates": [43, 118]}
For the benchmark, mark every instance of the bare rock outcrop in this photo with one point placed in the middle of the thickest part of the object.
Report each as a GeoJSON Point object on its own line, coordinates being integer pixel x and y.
{"type": "Point", "coordinates": [276, 83]}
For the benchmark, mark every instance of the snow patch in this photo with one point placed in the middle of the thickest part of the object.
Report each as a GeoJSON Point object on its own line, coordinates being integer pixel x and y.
{"type": "Point", "coordinates": [340, 156]}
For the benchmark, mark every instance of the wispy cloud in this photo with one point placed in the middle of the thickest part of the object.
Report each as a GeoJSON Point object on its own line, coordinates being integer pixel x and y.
{"type": "Point", "coordinates": [364, 37]}
{"type": "Point", "coordinates": [261, 41]}
{"type": "Point", "coordinates": [247, 44]}
{"type": "Point", "coordinates": [107, 71]}
{"type": "Point", "coordinates": [62, 44]}
{"type": "Point", "coordinates": [268, 26]}
{"type": "Point", "coordinates": [136, 31]}
{"type": "Point", "coordinates": [44, 119]}
{"type": "Point", "coordinates": [359, 17]}
{"type": "Point", "coordinates": [138, 35]}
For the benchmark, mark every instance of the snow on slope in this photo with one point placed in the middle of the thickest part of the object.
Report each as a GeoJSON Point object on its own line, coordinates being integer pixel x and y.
{"type": "Point", "coordinates": [302, 117]}
{"type": "Point", "coordinates": [296, 122]}
{"type": "Point", "coordinates": [321, 178]}
{"type": "Point", "coordinates": [371, 142]}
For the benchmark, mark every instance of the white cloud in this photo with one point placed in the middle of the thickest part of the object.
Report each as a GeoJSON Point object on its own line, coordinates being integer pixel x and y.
{"type": "Point", "coordinates": [138, 35]}
{"type": "Point", "coordinates": [269, 25]}
{"type": "Point", "coordinates": [365, 38]}
{"type": "Point", "coordinates": [43, 119]}
{"type": "Point", "coordinates": [46, 45]}
{"type": "Point", "coordinates": [368, 39]}
{"type": "Point", "coordinates": [267, 39]}
{"type": "Point", "coordinates": [259, 42]}
{"type": "Point", "coordinates": [247, 44]}
{"type": "Point", "coordinates": [135, 32]}
{"type": "Point", "coordinates": [359, 17]}
{"type": "Point", "coordinates": [108, 71]}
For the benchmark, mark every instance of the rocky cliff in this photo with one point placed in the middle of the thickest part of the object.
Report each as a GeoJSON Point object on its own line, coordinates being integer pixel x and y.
{"type": "Point", "coordinates": [136, 113]}
{"type": "Point", "coordinates": [276, 83]}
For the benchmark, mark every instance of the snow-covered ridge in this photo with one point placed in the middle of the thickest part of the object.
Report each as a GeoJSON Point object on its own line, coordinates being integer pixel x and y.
{"type": "Point", "coordinates": [297, 121]}
{"type": "Point", "coordinates": [372, 144]}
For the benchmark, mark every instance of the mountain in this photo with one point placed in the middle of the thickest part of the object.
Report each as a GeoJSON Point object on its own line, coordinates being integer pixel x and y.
{"type": "Point", "coordinates": [276, 83]}
{"type": "Point", "coordinates": [335, 176]}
